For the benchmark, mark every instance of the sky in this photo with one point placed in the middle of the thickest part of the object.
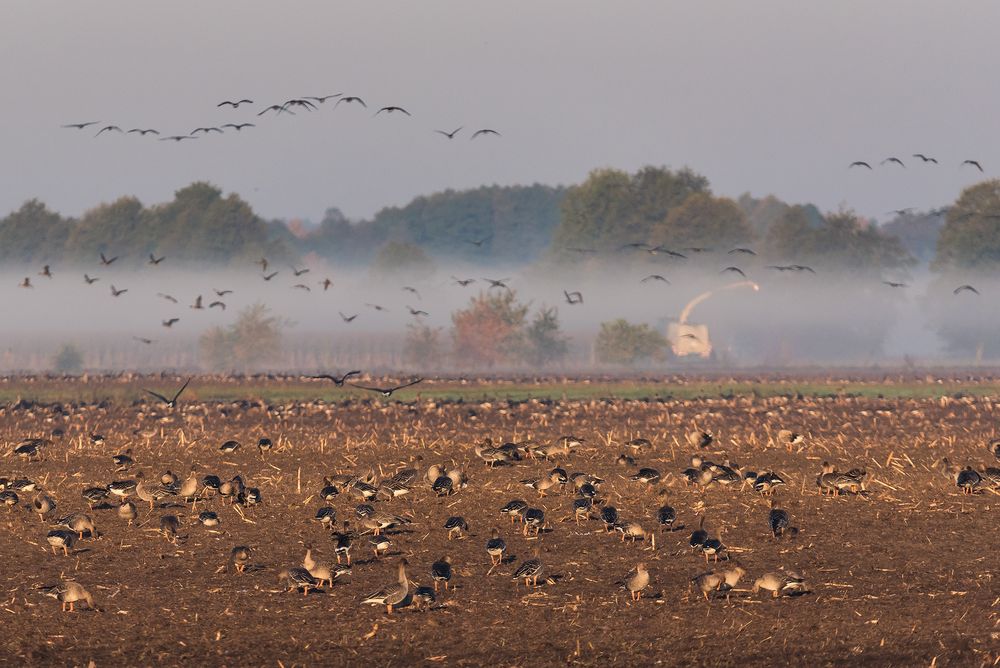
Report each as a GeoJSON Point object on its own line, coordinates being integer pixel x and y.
{"type": "Point", "coordinates": [765, 96]}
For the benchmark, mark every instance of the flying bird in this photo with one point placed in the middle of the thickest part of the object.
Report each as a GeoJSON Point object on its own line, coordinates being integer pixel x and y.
{"type": "Point", "coordinates": [924, 158]}
{"type": "Point", "coordinates": [117, 293]}
{"type": "Point", "coordinates": [170, 323]}
{"type": "Point", "coordinates": [349, 99]}
{"type": "Point", "coordinates": [390, 110]}
{"type": "Point", "coordinates": [326, 283]}
{"type": "Point", "coordinates": [300, 286]}
{"type": "Point", "coordinates": [300, 102]}
{"type": "Point", "coordinates": [478, 243]}
{"type": "Point", "coordinates": [89, 280]}
{"type": "Point", "coordinates": [347, 318]}
{"type": "Point", "coordinates": [463, 281]}
{"type": "Point", "coordinates": [217, 304]}
{"type": "Point", "coordinates": [105, 261]}
{"type": "Point", "coordinates": [573, 297]}
{"type": "Point", "coordinates": [153, 260]}
{"type": "Point", "coordinates": [893, 284]}
{"type": "Point", "coordinates": [177, 138]}
{"type": "Point", "coordinates": [80, 126]}
{"type": "Point", "coordinates": [416, 312]}
{"type": "Point", "coordinates": [46, 272]}
{"type": "Point", "coordinates": [222, 293]}
{"type": "Point", "coordinates": [108, 128]}
{"type": "Point", "coordinates": [143, 132]}
{"type": "Point", "coordinates": [197, 304]}
{"type": "Point", "coordinates": [449, 135]}
{"type": "Point", "coordinates": [206, 130]}
{"type": "Point", "coordinates": [900, 212]}
{"type": "Point", "coordinates": [234, 105]}
{"type": "Point", "coordinates": [268, 277]}
{"type": "Point", "coordinates": [484, 131]}
{"type": "Point", "coordinates": [142, 340]}
{"type": "Point", "coordinates": [497, 283]}
{"type": "Point", "coordinates": [171, 403]}
{"type": "Point", "coordinates": [655, 277]}
{"type": "Point", "coordinates": [376, 307]}
{"type": "Point", "coordinates": [801, 267]}
{"type": "Point", "coordinates": [734, 270]}
{"type": "Point", "coordinates": [322, 98]}
{"type": "Point", "coordinates": [26, 283]}
{"type": "Point", "coordinates": [964, 288]}
{"type": "Point", "coordinates": [167, 297]}
{"type": "Point", "coordinates": [974, 163]}
{"type": "Point", "coordinates": [859, 163]}
{"type": "Point", "coordinates": [277, 108]}
{"type": "Point", "coordinates": [299, 272]}
{"type": "Point", "coordinates": [238, 126]}
{"type": "Point", "coordinates": [263, 263]}
{"type": "Point", "coordinates": [745, 251]}
{"type": "Point", "coordinates": [413, 290]}
{"type": "Point", "coordinates": [893, 159]}
{"type": "Point", "coordinates": [387, 392]}
{"type": "Point", "coordinates": [339, 382]}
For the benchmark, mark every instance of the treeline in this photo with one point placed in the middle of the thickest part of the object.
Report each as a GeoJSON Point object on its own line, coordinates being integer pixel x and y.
{"type": "Point", "coordinates": [612, 214]}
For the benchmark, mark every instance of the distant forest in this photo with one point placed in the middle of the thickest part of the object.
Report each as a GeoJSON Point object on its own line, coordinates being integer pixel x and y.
{"type": "Point", "coordinates": [652, 211]}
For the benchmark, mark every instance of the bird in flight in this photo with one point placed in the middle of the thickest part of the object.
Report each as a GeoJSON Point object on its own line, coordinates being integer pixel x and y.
{"type": "Point", "coordinates": [171, 403]}
{"type": "Point", "coordinates": [974, 163]}
{"type": "Point", "coordinates": [387, 392]}
{"type": "Point", "coordinates": [349, 99]}
{"type": "Point", "coordinates": [413, 290]}
{"type": "Point", "coordinates": [479, 242]}
{"type": "Point", "coordinates": [108, 128]}
{"type": "Point", "coordinates": [217, 304]}
{"type": "Point", "coordinates": [463, 281]}
{"type": "Point", "coordinates": [497, 283]}
{"type": "Point", "coordinates": [277, 108]}
{"type": "Point", "coordinates": [390, 110]}
{"type": "Point", "coordinates": [696, 249]}
{"type": "Point", "coordinates": [263, 263]}
{"type": "Point", "coordinates": [925, 158]}
{"type": "Point", "coordinates": [339, 382]}
{"type": "Point", "coordinates": [234, 105]}
{"type": "Point", "coordinates": [46, 272]}
{"type": "Point", "coordinates": [965, 288]}
{"type": "Point", "coordinates": [238, 126]}
{"type": "Point", "coordinates": [347, 318]}
{"type": "Point", "coordinates": [153, 260]}
{"type": "Point", "coordinates": [734, 270]}
{"type": "Point", "coordinates": [143, 132]}
{"type": "Point", "coordinates": [177, 138]}
{"type": "Point", "coordinates": [893, 159]}
{"type": "Point", "coordinates": [300, 102]}
{"type": "Point", "coordinates": [900, 212]}
{"type": "Point", "coordinates": [89, 280]}
{"type": "Point", "coordinates": [574, 297]}
{"type": "Point", "coordinates": [222, 293]}
{"type": "Point", "coordinates": [859, 163]}
{"type": "Point", "coordinates": [117, 293]}
{"type": "Point", "coordinates": [484, 131]}
{"type": "Point", "coordinates": [376, 307]}
{"type": "Point", "coordinates": [167, 297]}
{"type": "Point", "coordinates": [802, 267]}
{"type": "Point", "coordinates": [105, 261]}
{"type": "Point", "coordinates": [170, 323]}
{"type": "Point", "coordinates": [300, 286]}
{"type": "Point", "coordinates": [142, 340]}
{"type": "Point", "coordinates": [26, 283]}
{"type": "Point", "coordinates": [299, 272]}
{"type": "Point", "coordinates": [268, 277]}
{"type": "Point", "coordinates": [449, 135]}
{"type": "Point", "coordinates": [893, 284]}
{"type": "Point", "coordinates": [322, 98]}
{"type": "Point", "coordinates": [197, 303]}
{"type": "Point", "coordinates": [206, 130]}
{"type": "Point", "coordinates": [655, 277]}
{"type": "Point", "coordinates": [416, 313]}
{"type": "Point", "coordinates": [80, 126]}
{"type": "Point", "coordinates": [744, 251]}
{"type": "Point", "coordinates": [326, 283]}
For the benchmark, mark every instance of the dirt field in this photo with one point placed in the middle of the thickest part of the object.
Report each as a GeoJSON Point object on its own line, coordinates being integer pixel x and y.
{"type": "Point", "coordinates": [906, 574]}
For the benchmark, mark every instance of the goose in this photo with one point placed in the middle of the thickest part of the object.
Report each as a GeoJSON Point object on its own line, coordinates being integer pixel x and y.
{"type": "Point", "coordinates": [495, 547]}
{"type": "Point", "coordinates": [239, 557]}
{"type": "Point", "coordinates": [127, 511]}
{"type": "Point", "coordinates": [456, 525]}
{"type": "Point", "coordinates": [61, 538]}
{"type": "Point", "coordinates": [777, 520]}
{"type": "Point", "coordinates": [637, 581]}
{"type": "Point", "coordinates": [169, 524]}
{"type": "Point", "coordinates": [534, 518]}
{"type": "Point", "coordinates": [529, 570]}
{"type": "Point", "coordinates": [515, 510]}
{"type": "Point", "coordinates": [342, 543]}
{"type": "Point", "coordinates": [780, 583]}
{"type": "Point", "coordinates": [69, 593]}
{"type": "Point", "coordinates": [80, 523]}
{"type": "Point", "coordinates": [43, 504]}
{"type": "Point", "coordinates": [441, 572]}
{"type": "Point", "coordinates": [295, 578]}
{"type": "Point", "coordinates": [392, 594]}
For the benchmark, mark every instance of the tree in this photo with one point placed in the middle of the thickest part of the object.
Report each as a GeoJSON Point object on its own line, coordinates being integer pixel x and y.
{"type": "Point", "coordinates": [423, 347]}
{"type": "Point", "coordinates": [544, 342]}
{"type": "Point", "coordinates": [970, 239]}
{"type": "Point", "coordinates": [620, 342]}
{"type": "Point", "coordinates": [397, 259]}
{"type": "Point", "coordinates": [253, 340]}
{"type": "Point", "coordinates": [33, 234]}
{"type": "Point", "coordinates": [702, 220]}
{"type": "Point", "coordinates": [489, 331]}
{"type": "Point", "coordinates": [917, 231]}
{"type": "Point", "coordinates": [69, 359]}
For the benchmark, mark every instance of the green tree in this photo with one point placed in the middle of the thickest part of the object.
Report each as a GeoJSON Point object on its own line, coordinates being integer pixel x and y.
{"type": "Point", "coordinates": [69, 359]}
{"type": "Point", "coordinates": [970, 239]}
{"type": "Point", "coordinates": [423, 347]}
{"type": "Point", "coordinates": [397, 259]}
{"type": "Point", "coordinates": [544, 342]}
{"type": "Point", "coordinates": [33, 234]}
{"type": "Point", "coordinates": [490, 330]}
{"type": "Point", "coordinates": [252, 341]}
{"type": "Point", "coordinates": [621, 342]}
{"type": "Point", "coordinates": [702, 220]}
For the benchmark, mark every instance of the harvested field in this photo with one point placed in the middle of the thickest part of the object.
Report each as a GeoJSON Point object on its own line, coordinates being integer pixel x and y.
{"type": "Point", "coordinates": [903, 573]}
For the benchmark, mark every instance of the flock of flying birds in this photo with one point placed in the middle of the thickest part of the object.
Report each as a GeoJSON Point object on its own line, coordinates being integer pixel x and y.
{"type": "Point", "coordinates": [309, 103]}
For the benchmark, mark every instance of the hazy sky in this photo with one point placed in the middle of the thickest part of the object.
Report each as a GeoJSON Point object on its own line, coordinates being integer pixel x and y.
{"type": "Point", "coordinates": [762, 96]}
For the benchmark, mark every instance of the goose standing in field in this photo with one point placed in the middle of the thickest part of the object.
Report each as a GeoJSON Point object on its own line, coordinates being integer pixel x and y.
{"type": "Point", "coordinates": [297, 578]}
{"type": "Point", "coordinates": [495, 547]}
{"type": "Point", "coordinates": [699, 439]}
{"type": "Point", "coordinates": [61, 538]}
{"type": "Point", "coordinates": [609, 515]}
{"type": "Point", "coordinates": [239, 557]}
{"type": "Point", "coordinates": [441, 572]}
{"type": "Point", "coordinates": [666, 516]}
{"type": "Point", "coordinates": [393, 594]}
{"type": "Point", "coordinates": [515, 510]}
{"type": "Point", "coordinates": [169, 524]}
{"type": "Point", "coordinates": [456, 525]}
{"type": "Point", "coordinates": [43, 504]}
{"type": "Point", "coordinates": [127, 511]}
{"type": "Point", "coordinates": [79, 523]}
{"type": "Point", "coordinates": [542, 485]}
{"type": "Point", "coordinates": [777, 520]}
{"type": "Point", "coordinates": [781, 584]}
{"type": "Point", "coordinates": [649, 476]}
{"type": "Point", "coordinates": [708, 583]}
{"type": "Point", "coordinates": [534, 519]}
{"type": "Point", "coordinates": [69, 593]}
{"type": "Point", "coordinates": [321, 572]}
{"type": "Point", "coordinates": [342, 543]}
{"type": "Point", "coordinates": [529, 570]}
{"type": "Point", "coordinates": [636, 582]}
{"type": "Point", "coordinates": [969, 480]}
{"type": "Point", "coordinates": [994, 447]}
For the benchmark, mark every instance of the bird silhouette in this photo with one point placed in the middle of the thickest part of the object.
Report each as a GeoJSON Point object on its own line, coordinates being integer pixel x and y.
{"type": "Point", "coordinates": [299, 272]}
{"type": "Point", "coordinates": [46, 272]}
{"type": "Point", "coordinates": [277, 109]}
{"type": "Point", "coordinates": [974, 163]}
{"type": "Point", "coordinates": [117, 293]}
{"type": "Point", "coordinates": [106, 261]}
{"type": "Point", "coordinates": [234, 104]}
{"type": "Point", "coordinates": [900, 212]}
{"type": "Point", "coordinates": [339, 382]}
{"type": "Point", "coordinates": [300, 102]}
{"type": "Point", "coordinates": [449, 135]}
{"type": "Point", "coordinates": [347, 318]}
{"type": "Point", "coordinates": [744, 251]}
{"type": "Point", "coordinates": [89, 280]}
{"type": "Point", "coordinates": [859, 163]}
{"type": "Point", "coordinates": [81, 126]}
{"type": "Point", "coordinates": [965, 288]}
{"type": "Point", "coordinates": [176, 138]}
{"type": "Point", "coordinates": [300, 286]}
{"type": "Point", "coordinates": [463, 281]}
{"type": "Point", "coordinates": [171, 403]}
{"type": "Point", "coordinates": [142, 340]}
{"type": "Point", "coordinates": [734, 270]}
{"type": "Point", "coordinates": [26, 283]}
{"type": "Point", "coordinates": [217, 304]}
{"type": "Point", "coordinates": [655, 277]}
{"type": "Point", "coordinates": [238, 126]}
{"type": "Point", "coordinates": [326, 283]}
{"type": "Point", "coordinates": [349, 99]}
{"type": "Point", "coordinates": [222, 293]}
{"type": "Point", "coordinates": [206, 130]}
{"type": "Point", "coordinates": [169, 298]}
{"type": "Point", "coordinates": [322, 98]}
{"type": "Point", "coordinates": [893, 284]}
{"type": "Point", "coordinates": [416, 312]}
{"type": "Point", "coordinates": [108, 128]}
{"type": "Point", "coordinates": [412, 290]}
{"type": "Point", "coordinates": [170, 323]}
{"type": "Point", "coordinates": [268, 277]}
{"type": "Point", "coordinates": [478, 243]}
{"type": "Point", "coordinates": [573, 297]}
{"type": "Point", "coordinates": [924, 158]}
{"type": "Point", "coordinates": [497, 283]}
{"type": "Point", "coordinates": [143, 132]}
{"type": "Point", "coordinates": [893, 159]}
{"type": "Point", "coordinates": [387, 392]}
{"type": "Point", "coordinates": [153, 260]}
{"type": "Point", "coordinates": [263, 263]}
{"type": "Point", "coordinates": [197, 304]}
{"type": "Point", "coordinates": [376, 307]}
{"type": "Point", "coordinates": [484, 131]}
{"type": "Point", "coordinates": [392, 109]}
